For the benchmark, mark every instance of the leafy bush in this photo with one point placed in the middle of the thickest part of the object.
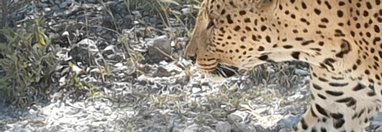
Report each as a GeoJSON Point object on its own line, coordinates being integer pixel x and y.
{"type": "Point", "coordinates": [27, 60]}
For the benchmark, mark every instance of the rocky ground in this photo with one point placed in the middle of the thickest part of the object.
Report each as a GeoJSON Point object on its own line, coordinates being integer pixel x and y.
{"type": "Point", "coordinates": [129, 57]}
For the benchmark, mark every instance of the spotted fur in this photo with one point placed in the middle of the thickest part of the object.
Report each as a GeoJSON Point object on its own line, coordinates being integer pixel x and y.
{"type": "Point", "coordinates": [340, 39]}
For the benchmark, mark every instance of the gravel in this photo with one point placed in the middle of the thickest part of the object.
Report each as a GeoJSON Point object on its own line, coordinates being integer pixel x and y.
{"type": "Point", "coordinates": [135, 78]}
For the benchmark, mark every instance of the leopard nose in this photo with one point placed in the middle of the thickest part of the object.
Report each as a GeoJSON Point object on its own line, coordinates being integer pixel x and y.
{"type": "Point", "coordinates": [192, 58]}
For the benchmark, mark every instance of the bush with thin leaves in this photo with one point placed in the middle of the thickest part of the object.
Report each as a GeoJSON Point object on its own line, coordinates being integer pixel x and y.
{"type": "Point", "coordinates": [28, 60]}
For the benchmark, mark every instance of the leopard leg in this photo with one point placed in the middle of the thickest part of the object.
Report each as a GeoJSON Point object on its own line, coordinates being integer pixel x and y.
{"type": "Point", "coordinates": [343, 105]}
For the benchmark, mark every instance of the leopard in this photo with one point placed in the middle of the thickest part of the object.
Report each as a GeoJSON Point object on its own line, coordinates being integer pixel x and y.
{"type": "Point", "coordinates": [339, 39]}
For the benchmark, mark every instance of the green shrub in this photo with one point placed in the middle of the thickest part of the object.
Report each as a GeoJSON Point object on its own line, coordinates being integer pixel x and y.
{"type": "Point", "coordinates": [28, 59]}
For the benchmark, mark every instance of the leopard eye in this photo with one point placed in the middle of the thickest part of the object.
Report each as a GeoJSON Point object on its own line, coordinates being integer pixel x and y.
{"type": "Point", "coordinates": [210, 24]}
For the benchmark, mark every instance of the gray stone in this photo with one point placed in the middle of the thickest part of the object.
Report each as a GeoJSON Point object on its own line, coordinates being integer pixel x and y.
{"type": "Point", "coordinates": [160, 49]}
{"type": "Point", "coordinates": [223, 127]}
